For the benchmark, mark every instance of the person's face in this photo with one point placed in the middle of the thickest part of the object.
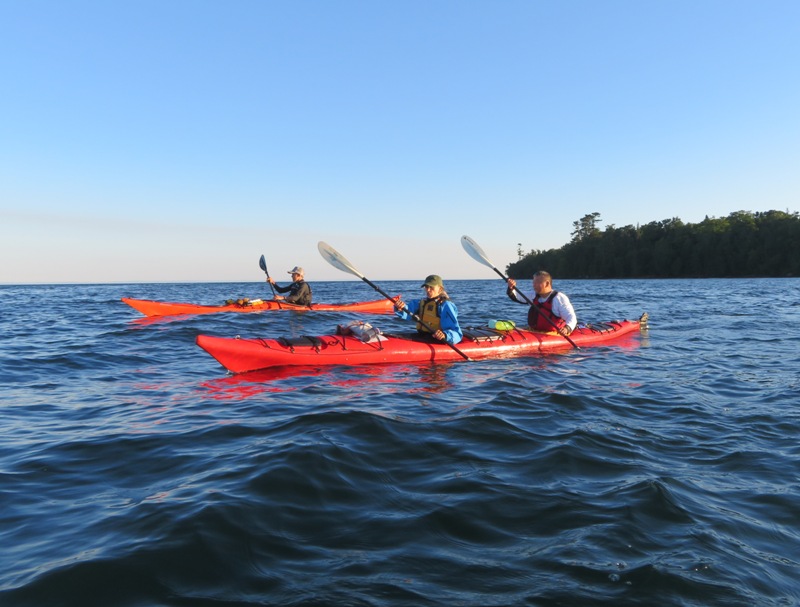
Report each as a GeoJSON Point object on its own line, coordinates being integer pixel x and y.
{"type": "Point", "coordinates": [296, 276]}
{"type": "Point", "coordinates": [431, 292]}
{"type": "Point", "coordinates": [541, 285]}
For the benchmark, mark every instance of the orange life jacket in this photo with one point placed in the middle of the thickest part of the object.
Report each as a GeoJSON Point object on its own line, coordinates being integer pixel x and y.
{"type": "Point", "coordinates": [430, 314]}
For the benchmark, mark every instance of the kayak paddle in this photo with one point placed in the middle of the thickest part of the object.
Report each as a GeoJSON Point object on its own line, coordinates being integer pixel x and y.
{"type": "Point", "coordinates": [474, 251]}
{"type": "Point", "coordinates": [263, 263]}
{"type": "Point", "coordinates": [338, 261]}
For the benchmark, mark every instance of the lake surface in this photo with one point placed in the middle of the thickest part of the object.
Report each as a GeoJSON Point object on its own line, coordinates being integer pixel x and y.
{"type": "Point", "coordinates": [135, 471]}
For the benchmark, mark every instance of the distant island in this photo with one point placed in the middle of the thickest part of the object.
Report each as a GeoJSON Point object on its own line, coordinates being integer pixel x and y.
{"type": "Point", "coordinates": [743, 244]}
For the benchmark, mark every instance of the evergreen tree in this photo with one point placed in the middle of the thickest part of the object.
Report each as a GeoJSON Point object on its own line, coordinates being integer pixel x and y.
{"type": "Point", "coordinates": [742, 244]}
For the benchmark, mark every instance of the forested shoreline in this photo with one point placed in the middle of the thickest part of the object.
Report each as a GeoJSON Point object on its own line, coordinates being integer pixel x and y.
{"type": "Point", "coordinates": [743, 244]}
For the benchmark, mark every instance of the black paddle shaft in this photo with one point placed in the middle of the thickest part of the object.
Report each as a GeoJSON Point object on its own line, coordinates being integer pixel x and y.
{"type": "Point", "coordinates": [263, 263]}
{"type": "Point", "coordinates": [474, 250]}
{"type": "Point", "coordinates": [337, 260]}
{"type": "Point", "coordinates": [547, 318]}
{"type": "Point", "coordinates": [414, 316]}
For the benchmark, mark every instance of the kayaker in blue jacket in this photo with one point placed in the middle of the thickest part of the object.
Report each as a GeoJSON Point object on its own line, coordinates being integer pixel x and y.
{"type": "Point", "coordinates": [435, 310]}
{"type": "Point", "coordinates": [299, 291]}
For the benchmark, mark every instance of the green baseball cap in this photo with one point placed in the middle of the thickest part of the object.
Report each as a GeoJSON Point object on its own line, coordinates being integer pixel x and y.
{"type": "Point", "coordinates": [434, 280]}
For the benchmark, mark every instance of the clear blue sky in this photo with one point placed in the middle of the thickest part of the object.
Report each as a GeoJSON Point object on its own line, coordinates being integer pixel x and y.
{"type": "Point", "coordinates": [179, 140]}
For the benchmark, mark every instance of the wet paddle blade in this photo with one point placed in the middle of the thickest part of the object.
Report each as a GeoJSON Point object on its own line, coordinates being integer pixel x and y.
{"type": "Point", "coordinates": [474, 251]}
{"type": "Point", "coordinates": [471, 247]}
{"type": "Point", "coordinates": [337, 260]}
{"type": "Point", "coordinates": [263, 263]}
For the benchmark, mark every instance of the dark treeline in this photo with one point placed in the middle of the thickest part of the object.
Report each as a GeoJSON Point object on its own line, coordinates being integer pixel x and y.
{"type": "Point", "coordinates": [741, 244]}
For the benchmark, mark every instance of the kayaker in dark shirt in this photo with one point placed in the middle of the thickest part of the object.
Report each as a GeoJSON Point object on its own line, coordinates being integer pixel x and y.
{"type": "Point", "coordinates": [299, 291]}
{"type": "Point", "coordinates": [436, 310]}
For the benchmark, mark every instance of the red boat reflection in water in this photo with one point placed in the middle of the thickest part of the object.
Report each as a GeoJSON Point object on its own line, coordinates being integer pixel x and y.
{"type": "Point", "coordinates": [408, 378]}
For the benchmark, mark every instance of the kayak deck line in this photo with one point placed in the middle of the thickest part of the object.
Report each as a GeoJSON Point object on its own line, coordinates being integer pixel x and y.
{"type": "Point", "coordinates": [471, 334]}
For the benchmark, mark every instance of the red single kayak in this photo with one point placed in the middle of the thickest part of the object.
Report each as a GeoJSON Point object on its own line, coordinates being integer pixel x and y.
{"type": "Point", "coordinates": [166, 308]}
{"type": "Point", "coordinates": [241, 355]}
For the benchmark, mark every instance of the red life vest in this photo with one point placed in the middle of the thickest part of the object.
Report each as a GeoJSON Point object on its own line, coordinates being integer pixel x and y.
{"type": "Point", "coordinates": [540, 312]}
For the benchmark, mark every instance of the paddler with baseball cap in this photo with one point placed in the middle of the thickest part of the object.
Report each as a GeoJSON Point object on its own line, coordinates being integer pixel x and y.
{"type": "Point", "coordinates": [299, 291]}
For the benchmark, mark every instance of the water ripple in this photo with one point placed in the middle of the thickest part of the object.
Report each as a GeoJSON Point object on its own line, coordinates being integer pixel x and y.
{"type": "Point", "coordinates": [135, 471]}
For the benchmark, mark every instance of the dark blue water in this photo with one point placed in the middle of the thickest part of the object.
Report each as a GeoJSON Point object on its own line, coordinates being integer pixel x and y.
{"type": "Point", "coordinates": [135, 471]}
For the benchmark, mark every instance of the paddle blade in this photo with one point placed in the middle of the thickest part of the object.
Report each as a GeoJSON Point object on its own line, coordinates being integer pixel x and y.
{"type": "Point", "coordinates": [263, 263]}
{"type": "Point", "coordinates": [474, 251]}
{"type": "Point", "coordinates": [337, 260]}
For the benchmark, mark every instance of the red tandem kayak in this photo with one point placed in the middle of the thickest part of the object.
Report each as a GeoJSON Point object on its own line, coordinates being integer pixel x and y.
{"type": "Point", "coordinates": [166, 308]}
{"type": "Point", "coordinates": [241, 355]}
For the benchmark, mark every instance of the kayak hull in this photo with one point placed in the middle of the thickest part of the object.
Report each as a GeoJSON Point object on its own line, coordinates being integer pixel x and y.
{"type": "Point", "coordinates": [165, 308]}
{"type": "Point", "coordinates": [240, 355]}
